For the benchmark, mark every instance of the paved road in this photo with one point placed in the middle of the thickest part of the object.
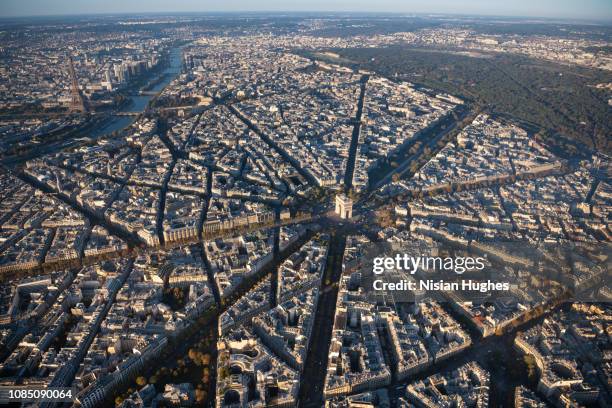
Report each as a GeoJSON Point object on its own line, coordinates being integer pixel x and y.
{"type": "Point", "coordinates": [350, 164]}
{"type": "Point", "coordinates": [94, 218]}
{"type": "Point", "coordinates": [311, 391]}
{"type": "Point", "coordinates": [440, 129]}
{"type": "Point", "coordinates": [494, 353]}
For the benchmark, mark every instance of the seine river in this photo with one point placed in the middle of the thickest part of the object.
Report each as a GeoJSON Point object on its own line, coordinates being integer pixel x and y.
{"type": "Point", "coordinates": [139, 102]}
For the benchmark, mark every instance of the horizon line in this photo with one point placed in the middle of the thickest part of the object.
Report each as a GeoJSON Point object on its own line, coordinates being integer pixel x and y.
{"type": "Point", "coordinates": [330, 12]}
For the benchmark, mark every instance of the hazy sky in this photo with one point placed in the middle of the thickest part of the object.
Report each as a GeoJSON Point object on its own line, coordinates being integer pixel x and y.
{"type": "Point", "coordinates": [578, 9]}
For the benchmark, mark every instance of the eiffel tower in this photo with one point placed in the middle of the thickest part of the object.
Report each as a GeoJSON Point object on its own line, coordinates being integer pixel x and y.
{"type": "Point", "coordinates": [77, 100]}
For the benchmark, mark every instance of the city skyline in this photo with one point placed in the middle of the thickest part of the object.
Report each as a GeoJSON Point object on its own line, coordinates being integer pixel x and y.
{"type": "Point", "coordinates": [596, 10]}
{"type": "Point", "coordinates": [194, 210]}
